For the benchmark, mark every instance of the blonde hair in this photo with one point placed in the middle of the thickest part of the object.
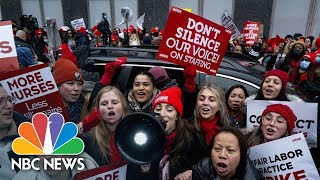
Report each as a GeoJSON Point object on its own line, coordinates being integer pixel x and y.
{"type": "Point", "coordinates": [102, 132]}
{"type": "Point", "coordinates": [220, 98]}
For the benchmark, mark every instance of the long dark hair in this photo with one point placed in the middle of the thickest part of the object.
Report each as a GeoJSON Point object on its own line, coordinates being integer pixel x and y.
{"type": "Point", "coordinates": [185, 134]}
{"type": "Point", "coordinates": [243, 146]}
{"type": "Point", "coordinates": [235, 87]}
{"type": "Point", "coordinates": [281, 97]}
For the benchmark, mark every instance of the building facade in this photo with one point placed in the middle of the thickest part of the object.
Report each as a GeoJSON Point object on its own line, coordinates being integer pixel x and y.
{"type": "Point", "coordinates": [280, 17]}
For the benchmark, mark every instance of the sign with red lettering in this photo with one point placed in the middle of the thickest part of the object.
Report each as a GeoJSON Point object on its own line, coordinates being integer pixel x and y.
{"type": "Point", "coordinates": [8, 53]}
{"type": "Point", "coordinates": [286, 158]}
{"type": "Point", "coordinates": [34, 90]}
{"type": "Point", "coordinates": [251, 32]}
{"type": "Point", "coordinates": [117, 171]}
{"type": "Point", "coordinates": [306, 117]}
{"type": "Point", "coordinates": [191, 39]}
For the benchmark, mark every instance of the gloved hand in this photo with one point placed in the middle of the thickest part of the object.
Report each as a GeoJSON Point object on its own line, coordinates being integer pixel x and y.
{"type": "Point", "coordinates": [91, 120]}
{"type": "Point", "coordinates": [110, 69]}
{"type": "Point", "coordinates": [189, 76]}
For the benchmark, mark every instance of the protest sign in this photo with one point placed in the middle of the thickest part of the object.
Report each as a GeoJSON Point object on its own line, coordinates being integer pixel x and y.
{"type": "Point", "coordinates": [191, 39]}
{"type": "Point", "coordinates": [251, 32]}
{"type": "Point", "coordinates": [78, 23]}
{"type": "Point", "coordinates": [306, 117]}
{"type": "Point", "coordinates": [117, 171]}
{"type": "Point", "coordinates": [228, 23]}
{"type": "Point", "coordinates": [8, 52]}
{"type": "Point", "coordinates": [286, 158]}
{"type": "Point", "coordinates": [34, 90]}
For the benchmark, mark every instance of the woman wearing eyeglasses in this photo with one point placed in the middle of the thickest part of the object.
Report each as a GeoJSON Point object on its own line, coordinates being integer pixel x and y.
{"type": "Point", "coordinates": [277, 122]}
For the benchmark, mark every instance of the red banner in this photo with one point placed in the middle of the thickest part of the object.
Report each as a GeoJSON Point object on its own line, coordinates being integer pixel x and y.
{"type": "Point", "coordinates": [117, 171]}
{"type": "Point", "coordinates": [8, 52]}
{"type": "Point", "coordinates": [34, 90]}
{"type": "Point", "coordinates": [191, 39]}
{"type": "Point", "coordinates": [251, 32]}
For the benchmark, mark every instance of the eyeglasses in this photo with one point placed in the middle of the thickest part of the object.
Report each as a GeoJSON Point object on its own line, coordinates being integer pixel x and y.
{"type": "Point", "coordinates": [276, 121]}
{"type": "Point", "coordinates": [5, 100]}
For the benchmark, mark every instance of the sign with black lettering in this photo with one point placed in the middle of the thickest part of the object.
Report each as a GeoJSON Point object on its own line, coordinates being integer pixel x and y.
{"type": "Point", "coordinates": [34, 90]}
{"type": "Point", "coordinates": [8, 53]}
{"type": "Point", "coordinates": [191, 39]}
{"type": "Point", "coordinates": [228, 23]}
{"type": "Point", "coordinates": [117, 171]}
{"type": "Point", "coordinates": [307, 115]}
{"type": "Point", "coordinates": [286, 158]}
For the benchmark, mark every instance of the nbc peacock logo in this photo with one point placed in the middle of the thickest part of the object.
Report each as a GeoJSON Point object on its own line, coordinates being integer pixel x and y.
{"type": "Point", "coordinates": [48, 136]}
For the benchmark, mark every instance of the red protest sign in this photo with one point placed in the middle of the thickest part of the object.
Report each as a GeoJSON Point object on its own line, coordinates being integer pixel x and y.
{"type": "Point", "coordinates": [34, 90]}
{"type": "Point", "coordinates": [191, 39]}
{"type": "Point", "coordinates": [251, 32]}
{"type": "Point", "coordinates": [8, 53]}
{"type": "Point", "coordinates": [113, 171]}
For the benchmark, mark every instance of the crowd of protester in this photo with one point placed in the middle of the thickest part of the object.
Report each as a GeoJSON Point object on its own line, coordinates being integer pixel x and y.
{"type": "Point", "coordinates": [206, 135]}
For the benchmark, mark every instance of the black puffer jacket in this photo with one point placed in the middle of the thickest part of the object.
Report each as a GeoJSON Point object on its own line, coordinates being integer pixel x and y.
{"type": "Point", "coordinates": [203, 170]}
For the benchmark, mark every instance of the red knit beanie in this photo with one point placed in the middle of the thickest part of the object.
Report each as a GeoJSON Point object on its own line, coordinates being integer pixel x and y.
{"type": "Point", "coordinates": [159, 73]}
{"type": "Point", "coordinates": [82, 30]}
{"type": "Point", "coordinates": [284, 111]}
{"type": "Point", "coordinates": [311, 56]}
{"type": "Point", "coordinates": [170, 96]}
{"type": "Point", "coordinates": [317, 43]}
{"type": "Point", "coordinates": [65, 70]}
{"type": "Point", "coordinates": [284, 77]}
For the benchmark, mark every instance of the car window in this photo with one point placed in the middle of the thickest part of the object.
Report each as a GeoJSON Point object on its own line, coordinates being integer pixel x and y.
{"type": "Point", "coordinates": [226, 83]}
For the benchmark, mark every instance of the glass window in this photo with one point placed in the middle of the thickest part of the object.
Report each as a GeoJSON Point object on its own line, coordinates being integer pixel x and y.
{"type": "Point", "coordinates": [226, 83]}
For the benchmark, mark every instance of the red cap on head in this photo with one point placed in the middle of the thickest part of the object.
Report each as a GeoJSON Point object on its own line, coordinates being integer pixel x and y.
{"type": "Point", "coordinates": [283, 76]}
{"type": "Point", "coordinates": [82, 30]}
{"type": "Point", "coordinates": [311, 56]}
{"type": "Point", "coordinates": [96, 32]}
{"type": "Point", "coordinates": [65, 70]}
{"type": "Point", "coordinates": [171, 96]}
{"type": "Point", "coordinates": [38, 32]}
{"type": "Point", "coordinates": [285, 112]}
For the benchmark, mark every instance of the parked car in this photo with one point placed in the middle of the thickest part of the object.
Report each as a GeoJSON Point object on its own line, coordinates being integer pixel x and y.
{"type": "Point", "coordinates": [234, 68]}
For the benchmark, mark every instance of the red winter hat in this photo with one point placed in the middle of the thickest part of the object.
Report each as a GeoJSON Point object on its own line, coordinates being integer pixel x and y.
{"type": "Point", "coordinates": [284, 77]}
{"type": "Point", "coordinates": [159, 73]}
{"type": "Point", "coordinates": [284, 111]}
{"type": "Point", "coordinates": [65, 70]}
{"type": "Point", "coordinates": [82, 30]}
{"type": "Point", "coordinates": [317, 43]}
{"type": "Point", "coordinates": [98, 33]}
{"type": "Point", "coordinates": [311, 56]}
{"type": "Point", "coordinates": [38, 32]}
{"type": "Point", "coordinates": [170, 96]}
{"type": "Point", "coordinates": [94, 28]}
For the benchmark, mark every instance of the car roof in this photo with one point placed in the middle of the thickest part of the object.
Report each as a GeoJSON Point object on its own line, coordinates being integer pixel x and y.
{"type": "Point", "coordinates": [231, 61]}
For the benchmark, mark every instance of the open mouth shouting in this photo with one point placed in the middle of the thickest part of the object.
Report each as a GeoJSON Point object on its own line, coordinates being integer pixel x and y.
{"type": "Point", "coordinates": [221, 168]}
{"type": "Point", "coordinates": [111, 115]}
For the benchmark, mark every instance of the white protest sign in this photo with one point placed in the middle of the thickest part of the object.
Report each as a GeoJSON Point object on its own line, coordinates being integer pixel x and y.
{"type": "Point", "coordinates": [287, 158]}
{"type": "Point", "coordinates": [227, 22]}
{"type": "Point", "coordinates": [34, 90]}
{"type": "Point", "coordinates": [8, 53]}
{"type": "Point", "coordinates": [78, 23]}
{"type": "Point", "coordinates": [117, 171]}
{"type": "Point", "coordinates": [306, 117]}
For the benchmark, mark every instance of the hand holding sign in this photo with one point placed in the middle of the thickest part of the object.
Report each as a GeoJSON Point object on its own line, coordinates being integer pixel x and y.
{"type": "Point", "coordinates": [191, 39]}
